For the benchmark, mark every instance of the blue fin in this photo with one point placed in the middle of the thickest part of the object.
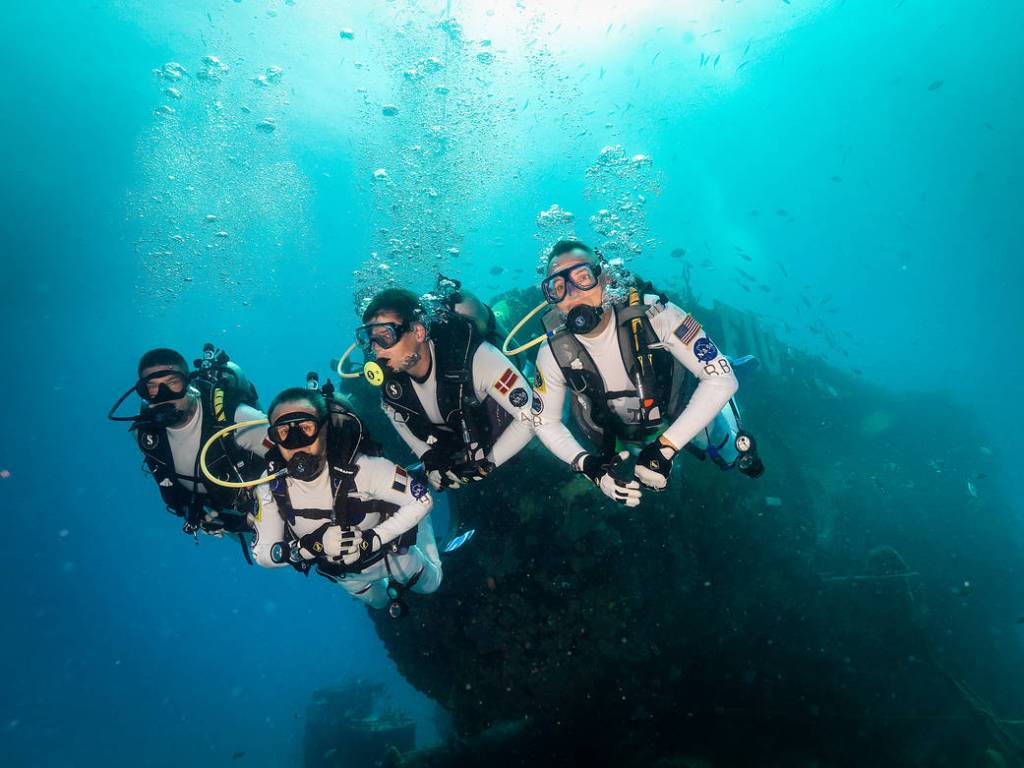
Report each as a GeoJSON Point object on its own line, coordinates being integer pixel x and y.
{"type": "Point", "coordinates": [743, 366]}
{"type": "Point", "coordinates": [458, 541]}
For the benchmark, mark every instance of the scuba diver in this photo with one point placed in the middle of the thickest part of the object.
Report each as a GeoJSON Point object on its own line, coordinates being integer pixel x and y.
{"type": "Point", "coordinates": [181, 409]}
{"type": "Point", "coordinates": [460, 405]}
{"type": "Point", "coordinates": [625, 357]}
{"type": "Point", "coordinates": [330, 500]}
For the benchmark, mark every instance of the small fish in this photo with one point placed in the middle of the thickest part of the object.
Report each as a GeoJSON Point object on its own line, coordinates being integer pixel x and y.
{"type": "Point", "coordinates": [782, 212]}
{"type": "Point", "coordinates": [746, 275]}
{"type": "Point", "coordinates": [753, 212]}
{"type": "Point", "coordinates": [784, 272]}
{"type": "Point", "coordinates": [858, 371]}
{"type": "Point", "coordinates": [936, 84]}
{"type": "Point", "coordinates": [525, 105]}
{"type": "Point", "coordinates": [747, 49]}
{"type": "Point", "coordinates": [1020, 619]}
{"type": "Point", "coordinates": [702, 59]}
{"type": "Point", "coordinates": [980, 476]}
{"type": "Point", "coordinates": [716, 59]}
{"type": "Point", "coordinates": [497, 270]}
{"type": "Point", "coordinates": [806, 301]}
{"type": "Point", "coordinates": [745, 256]}
{"type": "Point", "coordinates": [972, 489]}
{"type": "Point", "coordinates": [826, 300]}
{"type": "Point", "coordinates": [741, 66]}
{"type": "Point", "coordinates": [656, 57]}
{"type": "Point", "coordinates": [608, 31]}
{"type": "Point", "coordinates": [837, 179]}
{"type": "Point", "coordinates": [601, 75]}
{"type": "Point", "coordinates": [238, 755]}
{"type": "Point", "coordinates": [678, 253]}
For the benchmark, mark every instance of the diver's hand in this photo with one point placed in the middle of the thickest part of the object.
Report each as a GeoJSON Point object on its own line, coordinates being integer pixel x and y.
{"type": "Point", "coordinates": [654, 465]}
{"type": "Point", "coordinates": [341, 541]}
{"type": "Point", "coordinates": [472, 473]}
{"type": "Point", "coordinates": [311, 546]}
{"type": "Point", "coordinates": [599, 472]}
{"type": "Point", "coordinates": [369, 543]}
{"type": "Point", "coordinates": [438, 468]}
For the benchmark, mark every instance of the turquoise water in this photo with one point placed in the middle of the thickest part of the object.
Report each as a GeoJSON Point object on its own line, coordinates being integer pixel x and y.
{"type": "Point", "coordinates": [849, 171]}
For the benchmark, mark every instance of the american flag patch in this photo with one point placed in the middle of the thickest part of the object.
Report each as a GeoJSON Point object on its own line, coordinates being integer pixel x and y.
{"type": "Point", "coordinates": [401, 480]}
{"type": "Point", "coordinates": [688, 329]}
{"type": "Point", "coordinates": [506, 381]}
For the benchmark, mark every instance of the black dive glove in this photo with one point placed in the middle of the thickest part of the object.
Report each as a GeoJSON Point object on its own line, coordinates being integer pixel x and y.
{"type": "Point", "coordinates": [654, 465]}
{"type": "Point", "coordinates": [599, 471]}
{"type": "Point", "coordinates": [473, 471]}
{"type": "Point", "coordinates": [311, 546]}
{"type": "Point", "coordinates": [369, 544]}
{"type": "Point", "coordinates": [437, 465]}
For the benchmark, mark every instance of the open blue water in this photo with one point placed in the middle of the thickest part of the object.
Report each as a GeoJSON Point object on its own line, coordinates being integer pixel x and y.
{"type": "Point", "coordinates": [860, 161]}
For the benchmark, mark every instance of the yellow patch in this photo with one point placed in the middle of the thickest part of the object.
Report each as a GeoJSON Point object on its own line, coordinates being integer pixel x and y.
{"type": "Point", "coordinates": [538, 382]}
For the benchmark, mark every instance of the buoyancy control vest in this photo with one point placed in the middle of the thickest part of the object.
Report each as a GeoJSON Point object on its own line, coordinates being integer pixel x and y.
{"type": "Point", "coordinates": [662, 384]}
{"type": "Point", "coordinates": [456, 340]}
{"type": "Point", "coordinates": [347, 438]}
{"type": "Point", "coordinates": [219, 401]}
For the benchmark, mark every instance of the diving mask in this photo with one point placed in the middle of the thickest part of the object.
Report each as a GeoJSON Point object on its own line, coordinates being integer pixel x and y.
{"type": "Point", "coordinates": [582, 276]}
{"type": "Point", "coordinates": [297, 429]}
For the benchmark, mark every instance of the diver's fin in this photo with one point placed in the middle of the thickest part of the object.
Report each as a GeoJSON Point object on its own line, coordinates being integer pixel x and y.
{"type": "Point", "coordinates": [458, 541]}
{"type": "Point", "coordinates": [743, 366]}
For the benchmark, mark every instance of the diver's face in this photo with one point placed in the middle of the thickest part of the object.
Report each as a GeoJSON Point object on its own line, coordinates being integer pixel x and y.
{"type": "Point", "coordinates": [574, 296]}
{"type": "Point", "coordinates": [318, 446]}
{"type": "Point", "coordinates": [407, 351]}
{"type": "Point", "coordinates": [176, 382]}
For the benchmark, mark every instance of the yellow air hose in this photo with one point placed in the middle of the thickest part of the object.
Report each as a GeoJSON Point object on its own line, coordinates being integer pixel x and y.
{"type": "Point", "coordinates": [520, 324]}
{"type": "Point", "coordinates": [341, 363]}
{"type": "Point", "coordinates": [228, 483]}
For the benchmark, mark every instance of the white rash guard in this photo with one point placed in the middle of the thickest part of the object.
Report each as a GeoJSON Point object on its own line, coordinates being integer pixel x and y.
{"type": "Point", "coordinates": [185, 440]}
{"type": "Point", "coordinates": [494, 376]}
{"type": "Point", "coordinates": [682, 336]}
{"type": "Point", "coordinates": [377, 478]}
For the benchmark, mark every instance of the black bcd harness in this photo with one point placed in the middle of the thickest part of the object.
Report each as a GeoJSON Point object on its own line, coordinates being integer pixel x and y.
{"type": "Point", "coordinates": [225, 459]}
{"type": "Point", "coordinates": [456, 340]}
{"type": "Point", "coordinates": [345, 441]}
{"type": "Point", "coordinates": [661, 383]}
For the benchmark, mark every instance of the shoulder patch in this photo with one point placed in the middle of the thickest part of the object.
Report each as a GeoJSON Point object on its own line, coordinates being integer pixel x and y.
{"type": "Point", "coordinates": [538, 382]}
{"type": "Point", "coordinates": [400, 481]}
{"type": "Point", "coordinates": [518, 397]}
{"type": "Point", "coordinates": [506, 381]}
{"type": "Point", "coordinates": [687, 330]}
{"type": "Point", "coordinates": [705, 350]}
{"type": "Point", "coordinates": [538, 404]}
{"type": "Point", "coordinates": [419, 491]}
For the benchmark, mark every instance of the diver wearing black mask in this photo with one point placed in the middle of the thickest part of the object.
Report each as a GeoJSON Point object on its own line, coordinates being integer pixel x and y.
{"type": "Point", "coordinates": [331, 504]}
{"type": "Point", "coordinates": [180, 409]}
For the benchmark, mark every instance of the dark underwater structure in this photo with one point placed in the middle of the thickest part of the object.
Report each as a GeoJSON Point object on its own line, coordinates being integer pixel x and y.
{"type": "Point", "coordinates": [857, 605]}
